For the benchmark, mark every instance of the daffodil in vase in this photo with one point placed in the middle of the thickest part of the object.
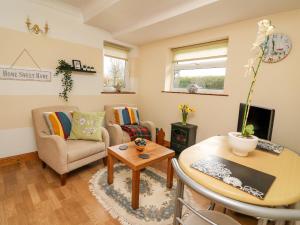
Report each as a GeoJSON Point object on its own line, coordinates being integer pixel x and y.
{"type": "Point", "coordinates": [244, 142]}
{"type": "Point", "coordinates": [185, 110]}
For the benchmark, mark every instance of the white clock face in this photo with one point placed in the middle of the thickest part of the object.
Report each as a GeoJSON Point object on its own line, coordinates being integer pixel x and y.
{"type": "Point", "coordinates": [278, 47]}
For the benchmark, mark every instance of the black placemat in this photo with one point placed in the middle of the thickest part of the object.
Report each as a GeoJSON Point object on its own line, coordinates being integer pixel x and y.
{"type": "Point", "coordinates": [249, 180]}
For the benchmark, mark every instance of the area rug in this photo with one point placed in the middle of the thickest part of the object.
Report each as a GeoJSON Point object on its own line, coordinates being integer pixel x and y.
{"type": "Point", "coordinates": [157, 202]}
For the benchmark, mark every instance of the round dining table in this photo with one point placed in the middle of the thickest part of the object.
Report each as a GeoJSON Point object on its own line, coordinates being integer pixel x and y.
{"type": "Point", "coordinates": [285, 167]}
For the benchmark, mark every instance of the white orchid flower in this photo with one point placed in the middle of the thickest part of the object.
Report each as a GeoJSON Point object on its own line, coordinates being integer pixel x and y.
{"type": "Point", "coordinates": [249, 67]}
{"type": "Point", "coordinates": [265, 28]}
{"type": "Point", "coordinates": [270, 30]}
{"type": "Point", "coordinates": [264, 22]}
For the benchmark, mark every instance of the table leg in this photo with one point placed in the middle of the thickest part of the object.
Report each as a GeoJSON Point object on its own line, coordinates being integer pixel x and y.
{"type": "Point", "coordinates": [212, 206]}
{"type": "Point", "coordinates": [110, 169]}
{"type": "Point", "coordinates": [135, 189]}
{"type": "Point", "coordinates": [170, 173]}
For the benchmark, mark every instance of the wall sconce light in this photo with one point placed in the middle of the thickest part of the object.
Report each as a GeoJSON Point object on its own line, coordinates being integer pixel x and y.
{"type": "Point", "coordinates": [35, 28]}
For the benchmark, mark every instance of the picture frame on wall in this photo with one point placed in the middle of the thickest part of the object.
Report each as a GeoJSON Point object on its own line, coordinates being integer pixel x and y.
{"type": "Point", "coordinates": [76, 64]}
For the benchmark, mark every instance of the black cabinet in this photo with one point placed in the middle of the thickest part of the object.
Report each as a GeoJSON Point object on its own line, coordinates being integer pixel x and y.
{"type": "Point", "coordinates": [182, 136]}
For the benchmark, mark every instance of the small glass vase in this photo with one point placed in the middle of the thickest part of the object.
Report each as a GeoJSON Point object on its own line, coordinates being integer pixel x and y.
{"type": "Point", "coordinates": [184, 118]}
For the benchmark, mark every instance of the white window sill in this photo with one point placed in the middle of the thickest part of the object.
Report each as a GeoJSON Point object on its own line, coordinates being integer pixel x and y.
{"type": "Point", "coordinates": [213, 93]}
{"type": "Point", "coordinates": [116, 93]}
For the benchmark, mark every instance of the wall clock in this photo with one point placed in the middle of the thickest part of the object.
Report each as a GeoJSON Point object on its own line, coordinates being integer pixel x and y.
{"type": "Point", "coordinates": [278, 47]}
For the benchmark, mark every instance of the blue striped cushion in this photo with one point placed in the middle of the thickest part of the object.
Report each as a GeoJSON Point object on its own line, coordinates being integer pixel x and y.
{"type": "Point", "coordinates": [59, 123]}
{"type": "Point", "coordinates": [126, 115]}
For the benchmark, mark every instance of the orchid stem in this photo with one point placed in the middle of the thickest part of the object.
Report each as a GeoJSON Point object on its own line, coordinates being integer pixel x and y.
{"type": "Point", "coordinates": [249, 99]}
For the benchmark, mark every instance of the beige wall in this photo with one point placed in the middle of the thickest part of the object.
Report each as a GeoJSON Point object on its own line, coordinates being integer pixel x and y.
{"type": "Point", "coordinates": [17, 98]}
{"type": "Point", "coordinates": [277, 86]}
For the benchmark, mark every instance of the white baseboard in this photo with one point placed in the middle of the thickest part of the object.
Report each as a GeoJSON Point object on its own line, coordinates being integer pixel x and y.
{"type": "Point", "coordinates": [16, 141]}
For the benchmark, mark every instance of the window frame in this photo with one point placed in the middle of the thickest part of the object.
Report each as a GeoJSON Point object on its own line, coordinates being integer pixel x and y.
{"type": "Point", "coordinates": [204, 91]}
{"type": "Point", "coordinates": [127, 85]}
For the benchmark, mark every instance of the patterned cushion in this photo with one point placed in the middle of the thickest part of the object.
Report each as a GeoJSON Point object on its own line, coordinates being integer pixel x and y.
{"type": "Point", "coordinates": [87, 126]}
{"type": "Point", "coordinates": [135, 131]}
{"type": "Point", "coordinates": [126, 115]}
{"type": "Point", "coordinates": [59, 123]}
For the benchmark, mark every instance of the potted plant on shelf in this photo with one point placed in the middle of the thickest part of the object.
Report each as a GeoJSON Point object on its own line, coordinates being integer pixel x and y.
{"type": "Point", "coordinates": [118, 85]}
{"type": "Point", "coordinates": [244, 142]}
{"type": "Point", "coordinates": [185, 110]}
{"type": "Point", "coordinates": [65, 69]}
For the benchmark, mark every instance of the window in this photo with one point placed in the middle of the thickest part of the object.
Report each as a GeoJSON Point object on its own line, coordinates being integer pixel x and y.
{"type": "Point", "coordinates": [202, 64]}
{"type": "Point", "coordinates": [115, 65]}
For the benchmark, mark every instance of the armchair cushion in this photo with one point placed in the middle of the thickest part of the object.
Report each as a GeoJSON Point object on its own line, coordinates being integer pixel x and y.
{"type": "Point", "coordinates": [126, 115]}
{"type": "Point", "coordinates": [87, 126]}
{"type": "Point", "coordinates": [59, 123]}
{"type": "Point", "coordinates": [79, 149]}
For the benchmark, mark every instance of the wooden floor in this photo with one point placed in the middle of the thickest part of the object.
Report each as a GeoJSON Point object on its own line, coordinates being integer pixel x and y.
{"type": "Point", "coordinates": [32, 195]}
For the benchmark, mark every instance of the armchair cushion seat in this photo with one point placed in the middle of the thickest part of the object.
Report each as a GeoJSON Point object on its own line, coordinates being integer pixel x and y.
{"type": "Point", "coordinates": [79, 149]}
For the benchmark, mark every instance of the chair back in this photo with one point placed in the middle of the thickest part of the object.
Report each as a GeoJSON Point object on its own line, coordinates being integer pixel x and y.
{"type": "Point", "coordinates": [39, 124]}
{"type": "Point", "coordinates": [109, 112]}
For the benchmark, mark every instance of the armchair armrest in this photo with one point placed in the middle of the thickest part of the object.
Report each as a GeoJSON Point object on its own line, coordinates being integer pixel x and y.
{"type": "Point", "coordinates": [151, 127]}
{"type": "Point", "coordinates": [105, 137]}
{"type": "Point", "coordinates": [115, 133]}
{"type": "Point", "coordinates": [53, 151]}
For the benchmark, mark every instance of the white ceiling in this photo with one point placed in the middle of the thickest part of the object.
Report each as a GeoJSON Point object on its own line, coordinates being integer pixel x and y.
{"type": "Point", "coordinates": [142, 21]}
{"type": "Point", "coordinates": [77, 3]}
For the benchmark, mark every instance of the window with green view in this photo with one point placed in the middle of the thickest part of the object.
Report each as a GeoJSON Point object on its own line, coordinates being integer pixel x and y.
{"type": "Point", "coordinates": [115, 65]}
{"type": "Point", "coordinates": [201, 64]}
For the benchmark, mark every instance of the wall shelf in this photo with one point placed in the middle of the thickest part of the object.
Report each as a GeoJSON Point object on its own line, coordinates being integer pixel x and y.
{"type": "Point", "coordinates": [82, 71]}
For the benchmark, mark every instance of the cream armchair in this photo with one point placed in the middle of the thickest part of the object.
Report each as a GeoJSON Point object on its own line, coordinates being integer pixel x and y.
{"type": "Point", "coordinates": [63, 155]}
{"type": "Point", "coordinates": [116, 134]}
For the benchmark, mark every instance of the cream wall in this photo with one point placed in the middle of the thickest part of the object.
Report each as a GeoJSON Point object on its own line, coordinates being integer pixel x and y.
{"type": "Point", "coordinates": [17, 98]}
{"type": "Point", "coordinates": [277, 86]}
{"type": "Point", "coordinates": [68, 39]}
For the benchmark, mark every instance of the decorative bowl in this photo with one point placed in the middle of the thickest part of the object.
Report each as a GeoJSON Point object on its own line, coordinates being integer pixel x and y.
{"type": "Point", "coordinates": [240, 145]}
{"type": "Point", "coordinates": [140, 148]}
{"type": "Point", "coordinates": [140, 144]}
{"type": "Point", "coordinates": [193, 88]}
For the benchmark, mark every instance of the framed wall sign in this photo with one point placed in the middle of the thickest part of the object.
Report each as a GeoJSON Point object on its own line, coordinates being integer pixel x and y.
{"type": "Point", "coordinates": [25, 74]}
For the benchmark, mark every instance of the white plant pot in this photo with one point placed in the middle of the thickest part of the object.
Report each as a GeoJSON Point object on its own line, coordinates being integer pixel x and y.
{"type": "Point", "coordinates": [241, 146]}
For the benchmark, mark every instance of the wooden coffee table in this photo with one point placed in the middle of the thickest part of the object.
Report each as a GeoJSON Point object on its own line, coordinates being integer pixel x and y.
{"type": "Point", "coordinates": [131, 159]}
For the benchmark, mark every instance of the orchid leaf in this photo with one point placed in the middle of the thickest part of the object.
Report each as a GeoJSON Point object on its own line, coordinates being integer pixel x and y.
{"type": "Point", "coordinates": [249, 130]}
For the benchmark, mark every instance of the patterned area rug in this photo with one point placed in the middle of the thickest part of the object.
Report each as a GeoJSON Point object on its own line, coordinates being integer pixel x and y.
{"type": "Point", "coordinates": [156, 200]}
